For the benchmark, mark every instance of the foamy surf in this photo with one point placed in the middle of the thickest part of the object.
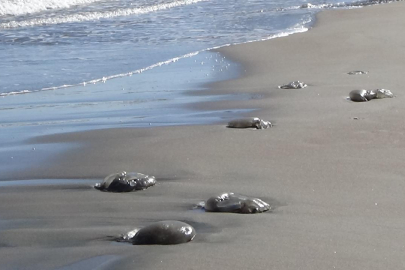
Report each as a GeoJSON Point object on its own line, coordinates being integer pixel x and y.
{"type": "Point", "coordinates": [94, 16]}
{"type": "Point", "coordinates": [355, 4]}
{"type": "Point", "coordinates": [22, 7]}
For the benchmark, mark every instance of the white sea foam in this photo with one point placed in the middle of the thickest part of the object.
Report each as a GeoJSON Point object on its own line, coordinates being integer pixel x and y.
{"type": "Point", "coordinates": [22, 7]}
{"type": "Point", "coordinates": [15, 93]}
{"type": "Point", "coordinates": [93, 16]}
{"type": "Point", "coordinates": [355, 4]}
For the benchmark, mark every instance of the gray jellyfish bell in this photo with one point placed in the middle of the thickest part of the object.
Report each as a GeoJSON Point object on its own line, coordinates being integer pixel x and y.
{"type": "Point", "coordinates": [362, 95]}
{"type": "Point", "coordinates": [357, 72]}
{"type": "Point", "coordinates": [366, 95]}
{"type": "Point", "coordinates": [249, 122]}
{"type": "Point", "coordinates": [167, 232]}
{"type": "Point", "coordinates": [235, 203]}
{"type": "Point", "coordinates": [293, 85]}
{"type": "Point", "coordinates": [126, 182]}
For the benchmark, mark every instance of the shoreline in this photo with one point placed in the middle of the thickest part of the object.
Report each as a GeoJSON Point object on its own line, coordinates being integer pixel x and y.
{"type": "Point", "coordinates": [335, 182]}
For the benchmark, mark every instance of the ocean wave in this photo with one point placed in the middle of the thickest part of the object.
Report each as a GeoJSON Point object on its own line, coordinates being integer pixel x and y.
{"type": "Point", "coordinates": [297, 29]}
{"type": "Point", "coordinates": [94, 16]}
{"type": "Point", "coordinates": [23, 7]}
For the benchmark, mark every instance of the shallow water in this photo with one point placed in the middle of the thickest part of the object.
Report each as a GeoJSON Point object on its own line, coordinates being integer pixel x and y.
{"type": "Point", "coordinates": [48, 182]}
{"type": "Point", "coordinates": [153, 98]}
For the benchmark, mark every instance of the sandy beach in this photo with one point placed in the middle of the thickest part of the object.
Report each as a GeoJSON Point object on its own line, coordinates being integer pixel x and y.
{"type": "Point", "coordinates": [331, 168]}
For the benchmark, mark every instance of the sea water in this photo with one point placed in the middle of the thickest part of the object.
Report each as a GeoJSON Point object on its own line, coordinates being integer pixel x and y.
{"type": "Point", "coordinates": [69, 65]}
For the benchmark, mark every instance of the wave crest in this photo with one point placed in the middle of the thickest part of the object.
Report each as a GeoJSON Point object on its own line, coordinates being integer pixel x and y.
{"type": "Point", "coordinates": [23, 7]}
{"type": "Point", "coordinates": [93, 16]}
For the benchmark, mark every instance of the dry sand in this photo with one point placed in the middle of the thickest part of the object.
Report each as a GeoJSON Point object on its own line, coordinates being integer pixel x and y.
{"type": "Point", "coordinates": [336, 182]}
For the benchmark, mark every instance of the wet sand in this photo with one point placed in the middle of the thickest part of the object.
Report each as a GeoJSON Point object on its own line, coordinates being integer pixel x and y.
{"type": "Point", "coordinates": [331, 168]}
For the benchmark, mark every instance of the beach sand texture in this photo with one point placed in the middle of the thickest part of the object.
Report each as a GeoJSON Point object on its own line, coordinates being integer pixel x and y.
{"type": "Point", "coordinates": [331, 168]}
